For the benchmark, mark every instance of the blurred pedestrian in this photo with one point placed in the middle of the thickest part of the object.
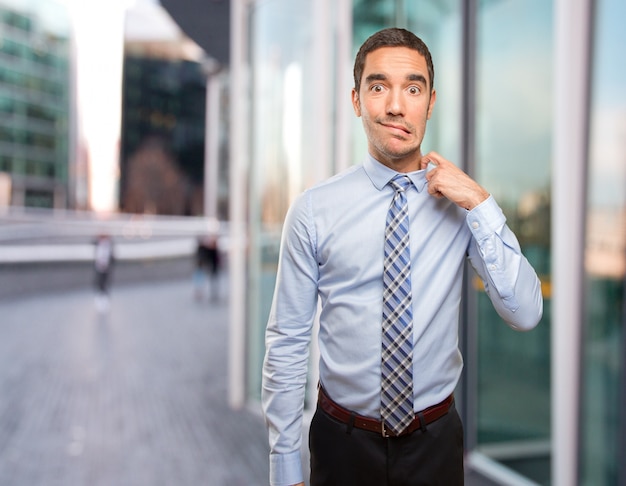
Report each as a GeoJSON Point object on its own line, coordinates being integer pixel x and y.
{"type": "Point", "coordinates": [207, 267]}
{"type": "Point", "coordinates": [213, 265]}
{"type": "Point", "coordinates": [381, 248]}
{"type": "Point", "coordinates": [103, 266]}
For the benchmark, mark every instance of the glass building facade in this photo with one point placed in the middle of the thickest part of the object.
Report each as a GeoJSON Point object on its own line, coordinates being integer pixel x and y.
{"type": "Point", "coordinates": [163, 116]}
{"type": "Point", "coordinates": [495, 63]}
{"type": "Point", "coordinates": [35, 101]}
{"type": "Point", "coordinates": [513, 120]}
{"type": "Point", "coordinates": [603, 365]}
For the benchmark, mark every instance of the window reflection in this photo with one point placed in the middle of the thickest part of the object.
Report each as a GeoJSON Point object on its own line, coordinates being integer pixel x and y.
{"type": "Point", "coordinates": [438, 23]}
{"type": "Point", "coordinates": [282, 159]}
{"type": "Point", "coordinates": [514, 125]}
{"type": "Point", "coordinates": [604, 353]}
{"type": "Point", "coordinates": [34, 101]}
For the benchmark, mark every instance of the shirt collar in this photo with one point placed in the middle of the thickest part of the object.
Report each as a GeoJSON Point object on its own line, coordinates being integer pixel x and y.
{"type": "Point", "coordinates": [380, 174]}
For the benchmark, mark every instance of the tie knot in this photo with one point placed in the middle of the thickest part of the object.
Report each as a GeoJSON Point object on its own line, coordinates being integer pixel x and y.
{"type": "Point", "coordinates": [400, 182]}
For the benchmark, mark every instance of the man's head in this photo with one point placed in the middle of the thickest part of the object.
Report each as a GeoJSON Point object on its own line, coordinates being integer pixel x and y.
{"type": "Point", "coordinates": [394, 96]}
{"type": "Point", "coordinates": [392, 37]}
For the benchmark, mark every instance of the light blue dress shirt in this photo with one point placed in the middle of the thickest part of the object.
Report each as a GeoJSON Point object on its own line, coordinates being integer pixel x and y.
{"type": "Point", "coordinates": [332, 250]}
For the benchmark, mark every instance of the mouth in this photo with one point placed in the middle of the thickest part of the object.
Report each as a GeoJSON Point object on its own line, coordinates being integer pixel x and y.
{"type": "Point", "coordinates": [397, 127]}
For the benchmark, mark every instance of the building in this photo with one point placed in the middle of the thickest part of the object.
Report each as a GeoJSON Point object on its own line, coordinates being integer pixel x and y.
{"type": "Point", "coordinates": [35, 104]}
{"type": "Point", "coordinates": [529, 102]}
{"type": "Point", "coordinates": [163, 128]}
{"type": "Point", "coordinates": [65, 143]}
{"type": "Point", "coordinates": [164, 118]}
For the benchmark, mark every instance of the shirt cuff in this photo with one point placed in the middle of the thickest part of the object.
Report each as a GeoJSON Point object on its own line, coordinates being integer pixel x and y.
{"type": "Point", "coordinates": [286, 469]}
{"type": "Point", "coordinates": [485, 219]}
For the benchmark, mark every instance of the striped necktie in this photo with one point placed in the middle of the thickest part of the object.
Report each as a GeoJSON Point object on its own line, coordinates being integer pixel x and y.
{"type": "Point", "coordinates": [397, 344]}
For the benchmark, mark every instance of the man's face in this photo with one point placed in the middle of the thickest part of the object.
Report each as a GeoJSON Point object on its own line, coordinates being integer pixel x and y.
{"type": "Point", "coordinates": [394, 102]}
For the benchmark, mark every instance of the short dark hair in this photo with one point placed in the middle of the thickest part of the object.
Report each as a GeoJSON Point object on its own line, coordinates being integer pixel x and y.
{"type": "Point", "coordinates": [391, 37]}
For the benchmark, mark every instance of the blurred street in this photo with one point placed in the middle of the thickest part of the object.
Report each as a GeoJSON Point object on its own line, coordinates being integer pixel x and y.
{"type": "Point", "coordinates": [137, 396]}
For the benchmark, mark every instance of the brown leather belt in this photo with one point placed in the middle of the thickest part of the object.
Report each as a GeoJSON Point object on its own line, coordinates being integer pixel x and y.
{"type": "Point", "coordinates": [422, 418]}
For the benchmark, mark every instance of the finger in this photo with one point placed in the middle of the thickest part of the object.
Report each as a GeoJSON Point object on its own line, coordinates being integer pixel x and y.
{"type": "Point", "coordinates": [432, 189]}
{"type": "Point", "coordinates": [438, 160]}
{"type": "Point", "coordinates": [429, 165]}
{"type": "Point", "coordinates": [431, 156]}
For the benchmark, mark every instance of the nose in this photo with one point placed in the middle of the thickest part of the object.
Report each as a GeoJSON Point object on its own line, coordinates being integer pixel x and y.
{"type": "Point", "coordinates": [395, 103]}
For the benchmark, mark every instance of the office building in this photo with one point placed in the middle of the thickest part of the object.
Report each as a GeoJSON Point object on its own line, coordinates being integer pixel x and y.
{"type": "Point", "coordinates": [35, 103]}
{"type": "Point", "coordinates": [163, 127]}
{"type": "Point", "coordinates": [531, 103]}
{"type": "Point", "coordinates": [164, 122]}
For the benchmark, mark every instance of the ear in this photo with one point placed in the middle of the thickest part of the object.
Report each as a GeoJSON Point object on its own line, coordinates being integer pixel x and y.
{"type": "Point", "coordinates": [356, 103]}
{"type": "Point", "coordinates": [431, 103]}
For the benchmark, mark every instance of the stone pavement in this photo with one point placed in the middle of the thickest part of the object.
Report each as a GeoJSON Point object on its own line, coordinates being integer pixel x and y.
{"type": "Point", "coordinates": [131, 398]}
{"type": "Point", "coordinates": [134, 397]}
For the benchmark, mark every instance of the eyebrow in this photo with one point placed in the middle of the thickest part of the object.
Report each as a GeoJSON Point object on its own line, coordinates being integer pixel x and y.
{"type": "Point", "coordinates": [417, 78]}
{"type": "Point", "coordinates": [381, 77]}
{"type": "Point", "coordinates": [375, 77]}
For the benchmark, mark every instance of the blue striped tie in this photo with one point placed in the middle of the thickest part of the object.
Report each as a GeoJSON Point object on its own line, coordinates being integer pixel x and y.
{"type": "Point", "coordinates": [397, 346]}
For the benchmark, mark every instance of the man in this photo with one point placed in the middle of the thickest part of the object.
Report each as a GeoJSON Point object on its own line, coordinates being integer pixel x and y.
{"type": "Point", "coordinates": [103, 266]}
{"type": "Point", "coordinates": [382, 246]}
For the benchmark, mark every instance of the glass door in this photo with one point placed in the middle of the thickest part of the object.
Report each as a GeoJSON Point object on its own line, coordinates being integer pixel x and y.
{"type": "Point", "coordinates": [603, 407]}
{"type": "Point", "coordinates": [513, 159]}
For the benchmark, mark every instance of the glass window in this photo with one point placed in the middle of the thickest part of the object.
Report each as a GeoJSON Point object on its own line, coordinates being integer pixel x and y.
{"type": "Point", "coordinates": [283, 159]}
{"type": "Point", "coordinates": [5, 164]}
{"type": "Point", "coordinates": [38, 84]}
{"type": "Point", "coordinates": [282, 147]}
{"type": "Point", "coordinates": [17, 20]}
{"type": "Point", "coordinates": [513, 159]}
{"type": "Point", "coordinates": [39, 199]}
{"type": "Point", "coordinates": [438, 24]}
{"type": "Point", "coordinates": [604, 348]}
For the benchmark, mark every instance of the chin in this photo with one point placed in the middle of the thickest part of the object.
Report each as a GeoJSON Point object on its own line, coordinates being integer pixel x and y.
{"type": "Point", "coordinates": [402, 155]}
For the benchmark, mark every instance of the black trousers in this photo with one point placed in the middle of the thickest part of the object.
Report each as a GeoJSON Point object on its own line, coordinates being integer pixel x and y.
{"type": "Point", "coordinates": [102, 281]}
{"type": "Point", "coordinates": [341, 456]}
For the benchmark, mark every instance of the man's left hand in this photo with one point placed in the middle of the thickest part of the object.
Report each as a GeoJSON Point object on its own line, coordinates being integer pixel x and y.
{"type": "Point", "coordinates": [446, 180]}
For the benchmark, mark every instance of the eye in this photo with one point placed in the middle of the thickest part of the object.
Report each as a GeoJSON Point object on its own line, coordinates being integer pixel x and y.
{"type": "Point", "coordinates": [376, 88]}
{"type": "Point", "coordinates": [414, 90]}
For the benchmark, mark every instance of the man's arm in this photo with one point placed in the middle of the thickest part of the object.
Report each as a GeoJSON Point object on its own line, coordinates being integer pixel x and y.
{"type": "Point", "coordinates": [510, 281]}
{"type": "Point", "coordinates": [288, 337]}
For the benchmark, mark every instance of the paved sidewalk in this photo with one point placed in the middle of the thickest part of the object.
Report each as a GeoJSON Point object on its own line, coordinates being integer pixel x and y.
{"type": "Point", "coordinates": [136, 397]}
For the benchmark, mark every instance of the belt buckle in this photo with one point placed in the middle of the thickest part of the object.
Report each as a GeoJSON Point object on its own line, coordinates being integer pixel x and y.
{"type": "Point", "coordinates": [383, 430]}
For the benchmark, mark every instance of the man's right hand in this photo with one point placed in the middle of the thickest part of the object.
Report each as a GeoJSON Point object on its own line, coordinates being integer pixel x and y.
{"type": "Point", "coordinates": [447, 180]}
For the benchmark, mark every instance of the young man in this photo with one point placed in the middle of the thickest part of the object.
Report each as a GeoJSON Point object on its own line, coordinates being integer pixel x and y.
{"type": "Point", "coordinates": [382, 246]}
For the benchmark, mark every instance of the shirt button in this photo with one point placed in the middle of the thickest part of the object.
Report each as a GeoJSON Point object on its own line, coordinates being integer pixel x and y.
{"type": "Point", "coordinates": [492, 268]}
{"type": "Point", "coordinates": [475, 225]}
